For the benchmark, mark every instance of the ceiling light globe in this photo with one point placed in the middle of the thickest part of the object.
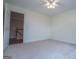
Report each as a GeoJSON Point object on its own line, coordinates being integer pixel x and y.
{"type": "Point", "coordinates": [54, 4]}
{"type": "Point", "coordinates": [48, 7]}
{"type": "Point", "coordinates": [51, 6]}
{"type": "Point", "coordinates": [51, 0]}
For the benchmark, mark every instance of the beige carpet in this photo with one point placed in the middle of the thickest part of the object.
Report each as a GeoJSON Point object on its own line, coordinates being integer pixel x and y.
{"type": "Point", "coordinates": [46, 49]}
{"type": "Point", "coordinates": [6, 57]}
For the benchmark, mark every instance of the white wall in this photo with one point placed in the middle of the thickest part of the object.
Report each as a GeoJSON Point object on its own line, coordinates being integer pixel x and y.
{"type": "Point", "coordinates": [6, 28]}
{"type": "Point", "coordinates": [36, 25]}
{"type": "Point", "coordinates": [64, 27]}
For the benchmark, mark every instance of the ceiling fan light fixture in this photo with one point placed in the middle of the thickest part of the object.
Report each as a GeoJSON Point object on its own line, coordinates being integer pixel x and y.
{"type": "Point", "coordinates": [51, 6]}
{"type": "Point", "coordinates": [51, 0]}
{"type": "Point", "coordinates": [54, 4]}
{"type": "Point", "coordinates": [50, 3]}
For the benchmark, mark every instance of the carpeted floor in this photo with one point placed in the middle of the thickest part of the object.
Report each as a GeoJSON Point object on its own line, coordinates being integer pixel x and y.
{"type": "Point", "coordinates": [6, 57]}
{"type": "Point", "coordinates": [45, 49]}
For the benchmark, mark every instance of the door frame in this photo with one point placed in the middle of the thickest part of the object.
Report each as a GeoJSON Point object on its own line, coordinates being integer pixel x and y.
{"type": "Point", "coordinates": [17, 11]}
{"type": "Point", "coordinates": [10, 24]}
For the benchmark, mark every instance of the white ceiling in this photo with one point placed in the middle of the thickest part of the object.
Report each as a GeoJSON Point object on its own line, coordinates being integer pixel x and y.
{"type": "Point", "coordinates": [37, 5]}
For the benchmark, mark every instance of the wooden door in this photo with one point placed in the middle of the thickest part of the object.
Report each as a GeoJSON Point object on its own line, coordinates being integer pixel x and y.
{"type": "Point", "coordinates": [16, 28]}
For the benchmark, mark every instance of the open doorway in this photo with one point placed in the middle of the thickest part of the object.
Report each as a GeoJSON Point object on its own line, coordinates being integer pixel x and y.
{"type": "Point", "coordinates": [16, 27]}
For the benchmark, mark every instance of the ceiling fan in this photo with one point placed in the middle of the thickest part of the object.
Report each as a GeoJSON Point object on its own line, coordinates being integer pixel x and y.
{"type": "Point", "coordinates": [51, 3]}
